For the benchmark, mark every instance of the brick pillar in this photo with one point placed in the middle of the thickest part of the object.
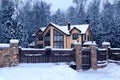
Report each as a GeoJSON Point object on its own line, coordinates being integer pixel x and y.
{"type": "Point", "coordinates": [106, 45]}
{"type": "Point", "coordinates": [4, 55]}
{"type": "Point", "coordinates": [93, 56]}
{"type": "Point", "coordinates": [14, 50]}
{"type": "Point", "coordinates": [78, 52]}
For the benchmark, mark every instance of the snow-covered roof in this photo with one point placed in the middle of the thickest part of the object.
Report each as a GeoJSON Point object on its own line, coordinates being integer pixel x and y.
{"type": "Point", "coordinates": [43, 28]}
{"type": "Point", "coordinates": [83, 28]}
{"type": "Point", "coordinates": [2, 45]}
{"type": "Point", "coordinates": [32, 44]}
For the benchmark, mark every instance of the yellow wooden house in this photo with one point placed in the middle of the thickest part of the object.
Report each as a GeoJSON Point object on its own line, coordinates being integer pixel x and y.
{"type": "Point", "coordinates": [57, 36]}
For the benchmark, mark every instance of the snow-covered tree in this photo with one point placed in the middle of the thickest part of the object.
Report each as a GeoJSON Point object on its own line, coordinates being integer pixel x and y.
{"type": "Point", "coordinates": [31, 18]}
{"type": "Point", "coordinates": [71, 15]}
{"type": "Point", "coordinates": [80, 11]}
{"type": "Point", "coordinates": [108, 22]}
{"type": "Point", "coordinates": [93, 13]}
{"type": "Point", "coordinates": [6, 21]}
{"type": "Point", "coordinates": [59, 17]}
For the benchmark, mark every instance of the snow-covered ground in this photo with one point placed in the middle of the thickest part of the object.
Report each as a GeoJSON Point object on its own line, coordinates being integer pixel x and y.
{"type": "Point", "coordinates": [61, 71]}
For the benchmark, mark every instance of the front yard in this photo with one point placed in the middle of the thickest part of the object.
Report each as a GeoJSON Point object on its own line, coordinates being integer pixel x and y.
{"type": "Point", "coordinates": [60, 71]}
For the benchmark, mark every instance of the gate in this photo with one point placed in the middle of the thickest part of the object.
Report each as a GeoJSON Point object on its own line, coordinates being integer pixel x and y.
{"type": "Point", "coordinates": [27, 55]}
{"type": "Point", "coordinates": [86, 59]}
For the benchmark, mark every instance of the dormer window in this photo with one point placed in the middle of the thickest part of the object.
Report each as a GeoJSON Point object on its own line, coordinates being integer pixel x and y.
{"type": "Point", "coordinates": [75, 36]}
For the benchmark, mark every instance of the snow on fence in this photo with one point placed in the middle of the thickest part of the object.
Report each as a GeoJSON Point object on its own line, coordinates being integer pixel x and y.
{"type": "Point", "coordinates": [32, 55]}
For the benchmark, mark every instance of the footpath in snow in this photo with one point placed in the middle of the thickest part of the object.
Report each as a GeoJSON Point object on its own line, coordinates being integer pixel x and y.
{"type": "Point", "coordinates": [61, 71]}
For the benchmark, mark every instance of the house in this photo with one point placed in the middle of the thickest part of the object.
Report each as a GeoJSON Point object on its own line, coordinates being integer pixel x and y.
{"type": "Point", "coordinates": [57, 36]}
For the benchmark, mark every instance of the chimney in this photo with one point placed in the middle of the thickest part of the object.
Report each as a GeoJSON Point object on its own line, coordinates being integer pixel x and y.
{"type": "Point", "coordinates": [87, 20]}
{"type": "Point", "coordinates": [68, 25]}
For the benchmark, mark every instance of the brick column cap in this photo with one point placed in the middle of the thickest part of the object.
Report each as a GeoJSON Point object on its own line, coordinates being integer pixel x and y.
{"type": "Point", "coordinates": [14, 41]}
{"type": "Point", "coordinates": [89, 43]}
{"type": "Point", "coordinates": [106, 43]}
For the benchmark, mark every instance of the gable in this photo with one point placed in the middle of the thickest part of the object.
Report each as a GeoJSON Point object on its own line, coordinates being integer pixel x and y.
{"type": "Point", "coordinates": [82, 29]}
{"type": "Point", "coordinates": [47, 29]}
{"type": "Point", "coordinates": [89, 31]}
{"type": "Point", "coordinates": [75, 30]}
{"type": "Point", "coordinates": [51, 26]}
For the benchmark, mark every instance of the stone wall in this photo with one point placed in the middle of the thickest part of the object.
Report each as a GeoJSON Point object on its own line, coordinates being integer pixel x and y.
{"type": "Point", "coordinates": [9, 53]}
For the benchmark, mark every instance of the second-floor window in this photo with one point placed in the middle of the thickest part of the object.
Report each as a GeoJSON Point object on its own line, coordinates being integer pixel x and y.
{"type": "Point", "coordinates": [58, 40]}
{"type": "Point", "coordinates": [75, 36]}
{"type": "Point", "coordinates": [47, 38]}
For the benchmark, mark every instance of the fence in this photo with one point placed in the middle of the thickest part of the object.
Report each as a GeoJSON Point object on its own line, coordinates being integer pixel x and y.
{"type": "Point", "coordinates": [114, 54]}
{"type": "Point", "coordinates": [45, 55]}
{"type": "Point", "coordinates": [101, 54]}
{"type": "Point", "coordinates": [85, 57]}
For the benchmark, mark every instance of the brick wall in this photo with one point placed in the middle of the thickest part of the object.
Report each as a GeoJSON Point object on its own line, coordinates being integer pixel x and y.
{"type": "Point", "coordinates": [9, 54]}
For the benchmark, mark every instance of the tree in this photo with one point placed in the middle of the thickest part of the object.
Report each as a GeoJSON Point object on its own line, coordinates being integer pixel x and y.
{"type": "Point", "coordinates": [41, 14]}
{"type": "Point", "coordinates": [93, 13]}
{"type": "Point", "coordinates": [108, 22]}
{"type": "Point", "coordinates": [80, 11]}
{"type": "Point", "coordinates": [7, 23]}
{"type": "Point", "coordinates": [31, 18]}
{"type": "Point", "coordinates": [71, 15]}
{"type": "Point", "coordinates": [59, 17]}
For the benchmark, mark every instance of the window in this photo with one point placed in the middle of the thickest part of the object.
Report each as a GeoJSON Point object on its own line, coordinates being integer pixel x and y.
{"type": "Point", "coordinates": [47, 39]}
{"type": "Point", "coordinates": [40, 37]}
{"type": "Point", "coordinates": [75, 36]}
{"type": "Point", "coordinates": [72, 45]}
{"type": "Point", "coordinates": [89, 38]}
{"type": "Point", "coordinates": [58, 40]}
{"type": "Point", "coordinates": [85, 37]}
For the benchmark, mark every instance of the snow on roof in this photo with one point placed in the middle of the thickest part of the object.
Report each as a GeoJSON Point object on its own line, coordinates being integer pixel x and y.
{"type": "Point", "coordinates": [14, 41]}
{"type": "Point", "coordinates": [83, 28]}
{"type": "Point", "coordinates": [32, 44]}
{"type": "Point", "coordinates": [33, 34]}
{"type": "Point", "coordinates": [43, 28]}
{"type": "Point", "coordinates": [89, 43]}
{"type": "Point", "coordinates": [106, 43]}
{"type": "Point", "coordinates": [2, 45]}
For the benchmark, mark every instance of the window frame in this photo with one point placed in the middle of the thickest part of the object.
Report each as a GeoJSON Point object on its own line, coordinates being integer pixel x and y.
{"type": "Point", "coordinates": [58, 39]}
{"type": "Point", "coordinates": [47, 39]}
{"type": "Point", "coordinates": [75, 36]}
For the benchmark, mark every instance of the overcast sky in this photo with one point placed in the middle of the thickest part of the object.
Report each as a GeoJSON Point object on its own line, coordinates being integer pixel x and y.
{"type": "Point", "coordinates": [62, 4]}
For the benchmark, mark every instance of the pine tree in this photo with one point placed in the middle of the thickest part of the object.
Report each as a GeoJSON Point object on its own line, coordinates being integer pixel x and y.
{"type": "Point", "coordinates": [71, 15]}
{"type": "Point", "coordinates": [59, 18]}
{"type": "Point", "coordinates": [93, 12]}
{"type": "Point", "coordinates": [7, 23]}
{"type": "Point", "coordinates": [80, 11]}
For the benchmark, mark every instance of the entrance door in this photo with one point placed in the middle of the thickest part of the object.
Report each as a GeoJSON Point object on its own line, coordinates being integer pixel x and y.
{"type": "Point", "coordinates": [86, 59]}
